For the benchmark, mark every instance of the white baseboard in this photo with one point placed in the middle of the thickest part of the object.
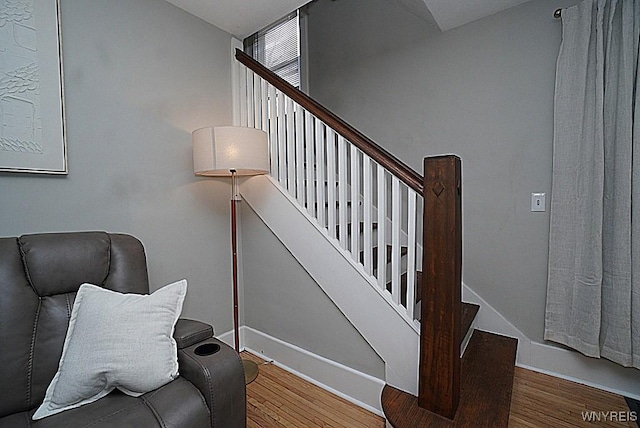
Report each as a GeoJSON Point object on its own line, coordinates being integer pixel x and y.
{"type": "Point", "coordinates": [359, 388]}
{"type": "Point", "coordinates": [556, 361]}
{"type": "Point", "coordinates": [227, 338]}
{"type": "Point", "coordinates": [571, 365]}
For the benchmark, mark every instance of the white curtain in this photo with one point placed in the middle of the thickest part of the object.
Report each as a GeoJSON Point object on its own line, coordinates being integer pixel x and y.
{"type": "Point", "coordinates": [593, 290]}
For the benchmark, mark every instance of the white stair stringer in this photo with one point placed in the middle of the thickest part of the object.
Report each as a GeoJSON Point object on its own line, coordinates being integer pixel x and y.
{"type": "Point", "coordinates": [369, 309]}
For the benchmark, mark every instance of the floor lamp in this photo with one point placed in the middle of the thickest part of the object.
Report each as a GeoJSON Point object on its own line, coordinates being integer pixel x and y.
{"type": "Point", "coordinates": [232, 151]}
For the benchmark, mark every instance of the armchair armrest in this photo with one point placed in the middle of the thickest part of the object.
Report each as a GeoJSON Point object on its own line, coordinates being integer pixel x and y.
{"type": "Point", "coordinates": [219, 376]}
{"type": "Point", "coordinates": [188, 332]}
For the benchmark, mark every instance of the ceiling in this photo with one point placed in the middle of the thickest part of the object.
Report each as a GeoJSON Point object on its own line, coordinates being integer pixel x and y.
{"type": "Point", "coordinates": [239, 17]}
{"type": "Point", "coordinates": [449, 14]}
{"type": "Point", "coordinates": [244, 17]}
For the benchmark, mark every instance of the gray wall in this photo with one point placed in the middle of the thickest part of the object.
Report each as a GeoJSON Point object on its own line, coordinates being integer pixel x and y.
{"type": "Point", "coordinates": [483, 91]}
{"type": "Point", "coordinates": [140, 75]}
{"type": "Point", "coordinates": [282, 300]}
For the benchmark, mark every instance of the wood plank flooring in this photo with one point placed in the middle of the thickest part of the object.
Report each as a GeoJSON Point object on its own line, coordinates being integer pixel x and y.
{"type": "Point", "coordinates": [541, 400]}
{"type": "Point", "coordinates": [279, 399]}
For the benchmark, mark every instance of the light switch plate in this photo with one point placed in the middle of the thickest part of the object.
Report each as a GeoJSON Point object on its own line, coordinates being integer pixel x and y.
{"type": "Point", "coordinates": [538, 202]}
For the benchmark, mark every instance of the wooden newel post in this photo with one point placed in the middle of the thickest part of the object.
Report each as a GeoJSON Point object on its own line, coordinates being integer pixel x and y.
{"type": "Point", "coordinates": [439, 384]}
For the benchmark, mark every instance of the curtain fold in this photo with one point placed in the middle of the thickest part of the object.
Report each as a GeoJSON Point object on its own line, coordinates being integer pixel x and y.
{"type": "Point", "coordinates": [594, 279]}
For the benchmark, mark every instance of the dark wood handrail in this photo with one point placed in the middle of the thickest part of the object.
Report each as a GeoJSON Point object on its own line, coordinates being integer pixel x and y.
{"type": "Point", "coordinates": [404, 172]}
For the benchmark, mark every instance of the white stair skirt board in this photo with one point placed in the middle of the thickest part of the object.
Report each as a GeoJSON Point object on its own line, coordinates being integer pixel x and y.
{"type": "Point", "coordinates": [553, 360]}
{"type": "Point", "coordinates": [391, 334]}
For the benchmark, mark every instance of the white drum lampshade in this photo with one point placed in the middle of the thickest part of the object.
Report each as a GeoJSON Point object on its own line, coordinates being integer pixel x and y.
{"type": "Point", "coordinates": [217, 151]}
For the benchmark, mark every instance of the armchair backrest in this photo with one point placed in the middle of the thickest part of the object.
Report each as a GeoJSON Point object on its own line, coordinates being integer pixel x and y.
{"type": "Point", "coordinates": [39, 277]}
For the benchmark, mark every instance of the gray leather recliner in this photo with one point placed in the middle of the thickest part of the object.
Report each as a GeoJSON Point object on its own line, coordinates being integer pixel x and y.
{"type": "Point", "coordinates": [39, 277]}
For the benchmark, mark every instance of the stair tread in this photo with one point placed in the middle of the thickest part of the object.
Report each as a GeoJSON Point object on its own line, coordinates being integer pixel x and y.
{"type": "Point", "coordinates": [485, 389]}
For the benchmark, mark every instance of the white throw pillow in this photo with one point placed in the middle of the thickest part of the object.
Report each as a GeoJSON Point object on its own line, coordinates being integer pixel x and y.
{"type": "Point", "coordinates": [115, 340]}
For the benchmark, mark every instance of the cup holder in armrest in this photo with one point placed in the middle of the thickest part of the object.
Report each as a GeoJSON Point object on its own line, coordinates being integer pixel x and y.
{"type": "Point", "coordinates": [207, 349]}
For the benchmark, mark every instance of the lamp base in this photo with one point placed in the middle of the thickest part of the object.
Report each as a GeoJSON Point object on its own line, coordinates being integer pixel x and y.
{"type": "Point", "coordinates": [250, 371]}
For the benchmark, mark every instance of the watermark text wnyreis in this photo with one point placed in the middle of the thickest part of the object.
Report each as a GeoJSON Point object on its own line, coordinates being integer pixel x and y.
{"type": "Point", "coordinates": [610, 416]}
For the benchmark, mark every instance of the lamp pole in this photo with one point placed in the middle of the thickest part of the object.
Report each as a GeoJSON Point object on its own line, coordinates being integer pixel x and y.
{"type": "Point", "coordinates": [234, 251]}
{"type": "Point", "coordinates": [250, 368]}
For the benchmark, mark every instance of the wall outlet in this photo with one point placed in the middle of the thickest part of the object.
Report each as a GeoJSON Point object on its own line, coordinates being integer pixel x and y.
{"type": "Point", "coordinates": [538, 202]}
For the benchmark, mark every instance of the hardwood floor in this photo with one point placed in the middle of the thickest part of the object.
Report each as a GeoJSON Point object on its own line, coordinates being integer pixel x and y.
{"type": "Point", "coordinates": [278, 398]}
{"type": "Point", "coordinates": [541, 400]}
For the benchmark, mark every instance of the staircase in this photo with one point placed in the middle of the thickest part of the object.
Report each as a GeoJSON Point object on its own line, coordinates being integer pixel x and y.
{"type": "Point", "coordinates": [393, 242]}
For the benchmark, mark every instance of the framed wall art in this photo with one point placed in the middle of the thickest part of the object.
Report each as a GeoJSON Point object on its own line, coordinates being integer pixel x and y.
{"type": "Point", "coordinates": [32, 123]}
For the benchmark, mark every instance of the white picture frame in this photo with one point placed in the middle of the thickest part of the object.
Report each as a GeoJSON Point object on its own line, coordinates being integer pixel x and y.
{"type": "Point", "coordinates": [32, 121]}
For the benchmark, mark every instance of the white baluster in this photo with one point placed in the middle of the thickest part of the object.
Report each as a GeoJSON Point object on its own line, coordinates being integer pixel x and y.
{"type": "Point", "coordinates": [355, 199]}
{"type": "Point", "coordinates": [342, 191]}
{"type": "Point", "coordinates": [257, 101]}
{"type": "Point", "coordinates": [282, 141]}
{"type": "Point", "coordinates": [331, 182]}
{"type": "Point", "coordinates": [381, 185]}
{"type": "Point", "coordinates": [367, 205]}
{"type": "Point", "coordinates": [411, 252]}
{"type": "Point", "coordinates": [243, 96]}
{"type": "Point", "coordinates": [320, 173]}
{"type": "Point", "coordinates": [264, 98]}
{"type": "Point", "coordinates": [396, 222]}
{"type": "Point", "coordinates": [250, 104]}
{"type": "Point", "coordinates": [299, 141]}
{"type": "Point", "coordinates": [310, 163]}
{"type": "Point", "coordinates": [291, 148]}
{"type": "Point", "coordinates": [273, 134]}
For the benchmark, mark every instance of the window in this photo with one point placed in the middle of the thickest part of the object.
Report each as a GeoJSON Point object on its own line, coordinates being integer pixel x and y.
{"type": "Point", "coordinates": [277, 47]}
